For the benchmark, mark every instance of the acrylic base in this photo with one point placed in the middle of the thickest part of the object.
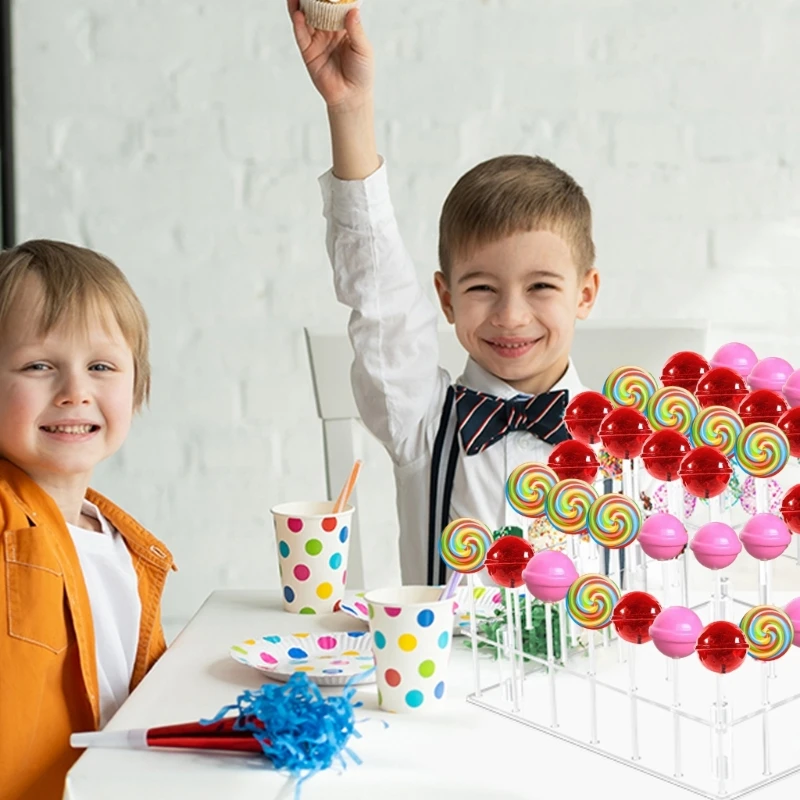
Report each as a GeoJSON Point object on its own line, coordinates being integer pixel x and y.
{"type": "Point", "coordinates": [748, 745]}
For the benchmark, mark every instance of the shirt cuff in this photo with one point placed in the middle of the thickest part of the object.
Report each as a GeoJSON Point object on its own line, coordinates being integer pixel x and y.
{"type": "Point", "coordinates": [356, 203]}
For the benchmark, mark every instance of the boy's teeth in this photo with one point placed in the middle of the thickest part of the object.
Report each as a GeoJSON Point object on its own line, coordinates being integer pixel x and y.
{"type": "Point", "coordinates": [69, 428]}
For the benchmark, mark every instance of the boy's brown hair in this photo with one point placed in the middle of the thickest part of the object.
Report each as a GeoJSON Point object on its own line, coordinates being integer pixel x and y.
{"type": "Point", "coordinates": [514, 194]}
{"type": "Point", "coordinates": [77, 282]}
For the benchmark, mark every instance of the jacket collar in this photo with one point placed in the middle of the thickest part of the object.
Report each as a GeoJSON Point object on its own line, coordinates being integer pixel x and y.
{"type": "Point", "coordinates": [41, 509]}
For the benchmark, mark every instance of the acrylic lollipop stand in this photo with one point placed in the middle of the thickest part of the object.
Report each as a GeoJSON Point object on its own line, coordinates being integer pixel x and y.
{"type": "Point", "coordinates": [713, 735]}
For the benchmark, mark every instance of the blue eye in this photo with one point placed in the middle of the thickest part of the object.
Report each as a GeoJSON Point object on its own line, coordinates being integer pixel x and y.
{"type": "Point", "coordinates": [38, 367]}
{"type": "Point", "coordinates": [101, 367]}
{"type": "Point", "coordinates": [480, 288]}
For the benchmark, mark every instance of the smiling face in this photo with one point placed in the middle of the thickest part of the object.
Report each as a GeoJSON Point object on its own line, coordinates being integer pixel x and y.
{"type": "Point", "coordinates": [514, 303]}
{"type": "Point", "coordinates": [66, 397]}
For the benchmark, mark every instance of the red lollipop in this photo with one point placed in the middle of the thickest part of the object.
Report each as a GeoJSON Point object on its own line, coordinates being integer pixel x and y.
{"type": "Point", "coordinates": [789, 423]}
{"type": "Point", "coordinates": [705, 472]}
{"type": "Point", "coordinates": [790, 508]}
{"type": "Point", "coordinates": [506, 560]}
{"type": "Point", "coordinates": [571, 459]}
{"type": "Point", "coordinates": [663, 453]}
{"type": "Point", "coordinates": [762, 405]}
{"type": "Point", "coordinates": [633, 615]}
{"type": "Point", "coordinates": [584, 414]}
{"type": "Point", "coordinates": [721, 386]}
{"type": "Point", "coordinates": [722, 647]}
{"type": "Point", "coordinates": [623, 432]}
{"type": "Point", "coordinates": [684, 369]}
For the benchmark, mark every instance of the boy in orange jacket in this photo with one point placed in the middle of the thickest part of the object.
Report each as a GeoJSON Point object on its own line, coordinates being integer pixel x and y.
{"type": "Point", "coordinates": [80, 580]}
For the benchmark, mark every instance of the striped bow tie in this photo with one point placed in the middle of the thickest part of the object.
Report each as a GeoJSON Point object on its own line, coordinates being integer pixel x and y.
{"type": "Point", "coordinates": [484, 419]}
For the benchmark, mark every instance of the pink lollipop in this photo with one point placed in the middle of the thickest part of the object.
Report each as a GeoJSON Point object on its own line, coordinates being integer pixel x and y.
{"type": "Point", "coordinates": [770, 373]}
{"type": "Point", "coordinates": [793, 612]}
{"type": "Point", "coordinates": [549, 576]}
{"type": "Point", "coordinates": [663, 537]}
{"type": "Point", "coordinates": [736, 356]}
{"type": "Point", "coordinates": [791, 389]}
{"type": "Point", "coordinates": [716, 545]}
{"type": "Point", "coordinates": [765, 536]}
{"type": "Point", "coordinates": [675, 631]}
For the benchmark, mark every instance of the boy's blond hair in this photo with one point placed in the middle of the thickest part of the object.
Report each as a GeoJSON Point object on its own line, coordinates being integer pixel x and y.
{"type": "Point", "coordinates": [77, 282]}
{"type": "Point", "coordinates": [514, 194]}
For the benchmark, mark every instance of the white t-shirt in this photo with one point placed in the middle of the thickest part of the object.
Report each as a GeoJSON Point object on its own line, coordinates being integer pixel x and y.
{"type": "Point", "coordinates": [116, 609]}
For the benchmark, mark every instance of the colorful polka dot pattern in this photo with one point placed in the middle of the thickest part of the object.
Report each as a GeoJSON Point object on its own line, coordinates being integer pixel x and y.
{"type": "Point", "coordinates": [487, 601]}
{"type": "Point", "coordinates": [412, 647]}
{"type": "Point", "coordinates": [327, 659]}
{"type": "Point", "coordinates": [312, 555]}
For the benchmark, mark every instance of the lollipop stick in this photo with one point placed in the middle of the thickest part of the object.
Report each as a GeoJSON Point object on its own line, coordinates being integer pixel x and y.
{"type": "Point", "coordinates": [676, 720]}
{"type": "Point", "coordinates": [620, 556]}
{"type": "Point", "coordinates": [676, 508]}
{"type": "Point", "coordinates": [519, 651]}
{"type": "Point", "coordinates": [765, 740]}
{"type": "Point", "coordinates": [528, 612]}
{"type": "Point", "coordinates": [562, 631]}
{"type": "Point", "coordinates": [592, 691]}
{"type": "Point", "coordinates": [473, 626]}
{"type": "Point", "coordinates": [347, 489]}
{"type": "Point", "coordinates": [665, 582]}
{"type": "Point", "coordinates": [632, 695]}
{"type": "Point", "coordinates": [551, 672]}
{"type": "Point", "coordinates": [718, 716]}
{"type": "Point", "coordinates": [762, 495]}
{"type": "Point", "coordinates": [640, 555]}
{"type": "Point", "coordinates": [511, 647]}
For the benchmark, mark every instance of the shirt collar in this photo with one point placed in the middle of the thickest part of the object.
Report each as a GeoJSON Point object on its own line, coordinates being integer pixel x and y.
{"type": "Point", "coordinates": [476, 377]}
{"type": "Point", "coordinates": [91, 510]}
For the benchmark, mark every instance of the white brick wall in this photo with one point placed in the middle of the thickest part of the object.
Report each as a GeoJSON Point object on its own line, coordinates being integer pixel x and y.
{"type": "Point", "coordinates": [183, 138]}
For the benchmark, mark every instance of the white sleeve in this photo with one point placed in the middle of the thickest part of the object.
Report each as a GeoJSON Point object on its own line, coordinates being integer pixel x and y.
{"type": "Point", "coordinates": [396, 377]}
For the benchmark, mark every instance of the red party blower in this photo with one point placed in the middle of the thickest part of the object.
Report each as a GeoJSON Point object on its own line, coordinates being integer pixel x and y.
{"type": "Point", "coordinates": [190, 735]}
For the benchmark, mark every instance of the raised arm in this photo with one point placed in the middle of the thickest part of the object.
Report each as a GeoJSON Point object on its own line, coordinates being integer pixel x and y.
{"type": "Point", "coordinates": [396, 379]}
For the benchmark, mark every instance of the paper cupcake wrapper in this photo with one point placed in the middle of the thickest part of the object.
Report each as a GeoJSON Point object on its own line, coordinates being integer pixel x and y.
{"type": "Point", "coordinates": [327, 16]}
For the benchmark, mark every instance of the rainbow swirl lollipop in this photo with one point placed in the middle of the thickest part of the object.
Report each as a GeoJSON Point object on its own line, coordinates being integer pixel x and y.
{"type": "Point", "coordinates": [591, 600]}
{"type": "Point", "coordinates": [614, 521]}
{"type": "Point", "coordinates": [567, 506]}
{"type": "Point", "coordinates": [464, 543]}
{"type": "Point", "coordinates": [527, 487]}
{"type": "Point", "coordinates": [717, 426]}
{"type": "Point", "coordinates": [631, 387]}
{"type": "Point", "coordinates": [769, 632]}
{"type": "Point", "coordinates": [762, 450]}
{"type": "Point", "coordinates": [673, 408]}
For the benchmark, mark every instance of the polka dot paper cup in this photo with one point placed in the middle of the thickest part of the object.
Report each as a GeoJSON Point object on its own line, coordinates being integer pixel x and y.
{"type": "Point", "coordinates": [313, 545]}
{"type": "Point", "coordinates": [412, 632]}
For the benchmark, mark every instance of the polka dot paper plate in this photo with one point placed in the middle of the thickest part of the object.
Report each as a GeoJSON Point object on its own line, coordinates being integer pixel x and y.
{"type": "Point", "coordinates": [487, 599]}
{"type": "Point", "coordinates": [329, 659]}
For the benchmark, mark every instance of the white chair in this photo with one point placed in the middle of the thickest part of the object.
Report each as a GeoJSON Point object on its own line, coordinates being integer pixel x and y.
{"type": "Point", "coordinates": [598, 348]}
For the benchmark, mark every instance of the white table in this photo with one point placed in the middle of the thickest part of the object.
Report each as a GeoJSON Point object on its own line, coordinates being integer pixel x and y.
{"type": "Point", "coordinates": [460, 751]}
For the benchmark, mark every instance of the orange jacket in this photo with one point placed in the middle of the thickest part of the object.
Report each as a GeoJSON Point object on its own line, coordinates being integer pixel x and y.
{"type": "Point", "coordinates": [48, 667]}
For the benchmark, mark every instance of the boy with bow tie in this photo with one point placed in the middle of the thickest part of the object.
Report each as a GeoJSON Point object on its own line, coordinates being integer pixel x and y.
{"type": "Point", "coordinates": [516, 270]}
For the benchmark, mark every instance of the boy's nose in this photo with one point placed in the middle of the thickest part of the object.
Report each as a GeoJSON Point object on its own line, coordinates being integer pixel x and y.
{"type": "Point", "coordinates": [73, 391]}
{"type": "Point", "coordinates": [512, 312]}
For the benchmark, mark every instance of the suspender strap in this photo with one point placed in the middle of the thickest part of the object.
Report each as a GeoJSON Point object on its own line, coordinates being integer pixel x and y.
{"type": "Point", "coordinates": [441, 489]}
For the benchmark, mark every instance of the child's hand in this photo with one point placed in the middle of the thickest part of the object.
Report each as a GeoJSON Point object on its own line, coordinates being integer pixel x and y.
{"type": "Point", "coordinates": [339, 62]}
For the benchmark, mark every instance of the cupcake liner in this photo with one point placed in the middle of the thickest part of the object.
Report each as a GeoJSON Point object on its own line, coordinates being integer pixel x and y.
{"type": "Point", "coordinates": [327, 16]}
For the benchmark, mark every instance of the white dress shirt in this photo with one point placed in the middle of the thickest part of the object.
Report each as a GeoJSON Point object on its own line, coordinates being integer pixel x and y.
{"type": "Point", "coordinates": [398, 384]}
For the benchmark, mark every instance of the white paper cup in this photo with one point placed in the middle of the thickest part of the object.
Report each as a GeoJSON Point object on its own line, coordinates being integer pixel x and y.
{"type": "Point", "coordinates": [412, 632]}
{"type": "Point", "coordinates": [313, 544]}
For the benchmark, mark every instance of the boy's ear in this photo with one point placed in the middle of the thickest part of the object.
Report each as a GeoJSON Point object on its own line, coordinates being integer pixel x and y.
{"type": "Point", "coordinates": [587, 293]}
{"type": "Point", "coordinates": [445, 298]}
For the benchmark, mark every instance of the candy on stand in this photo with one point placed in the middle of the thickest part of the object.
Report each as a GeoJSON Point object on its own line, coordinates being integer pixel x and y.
{"type": "Point", "coordinates": [687, 430]}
